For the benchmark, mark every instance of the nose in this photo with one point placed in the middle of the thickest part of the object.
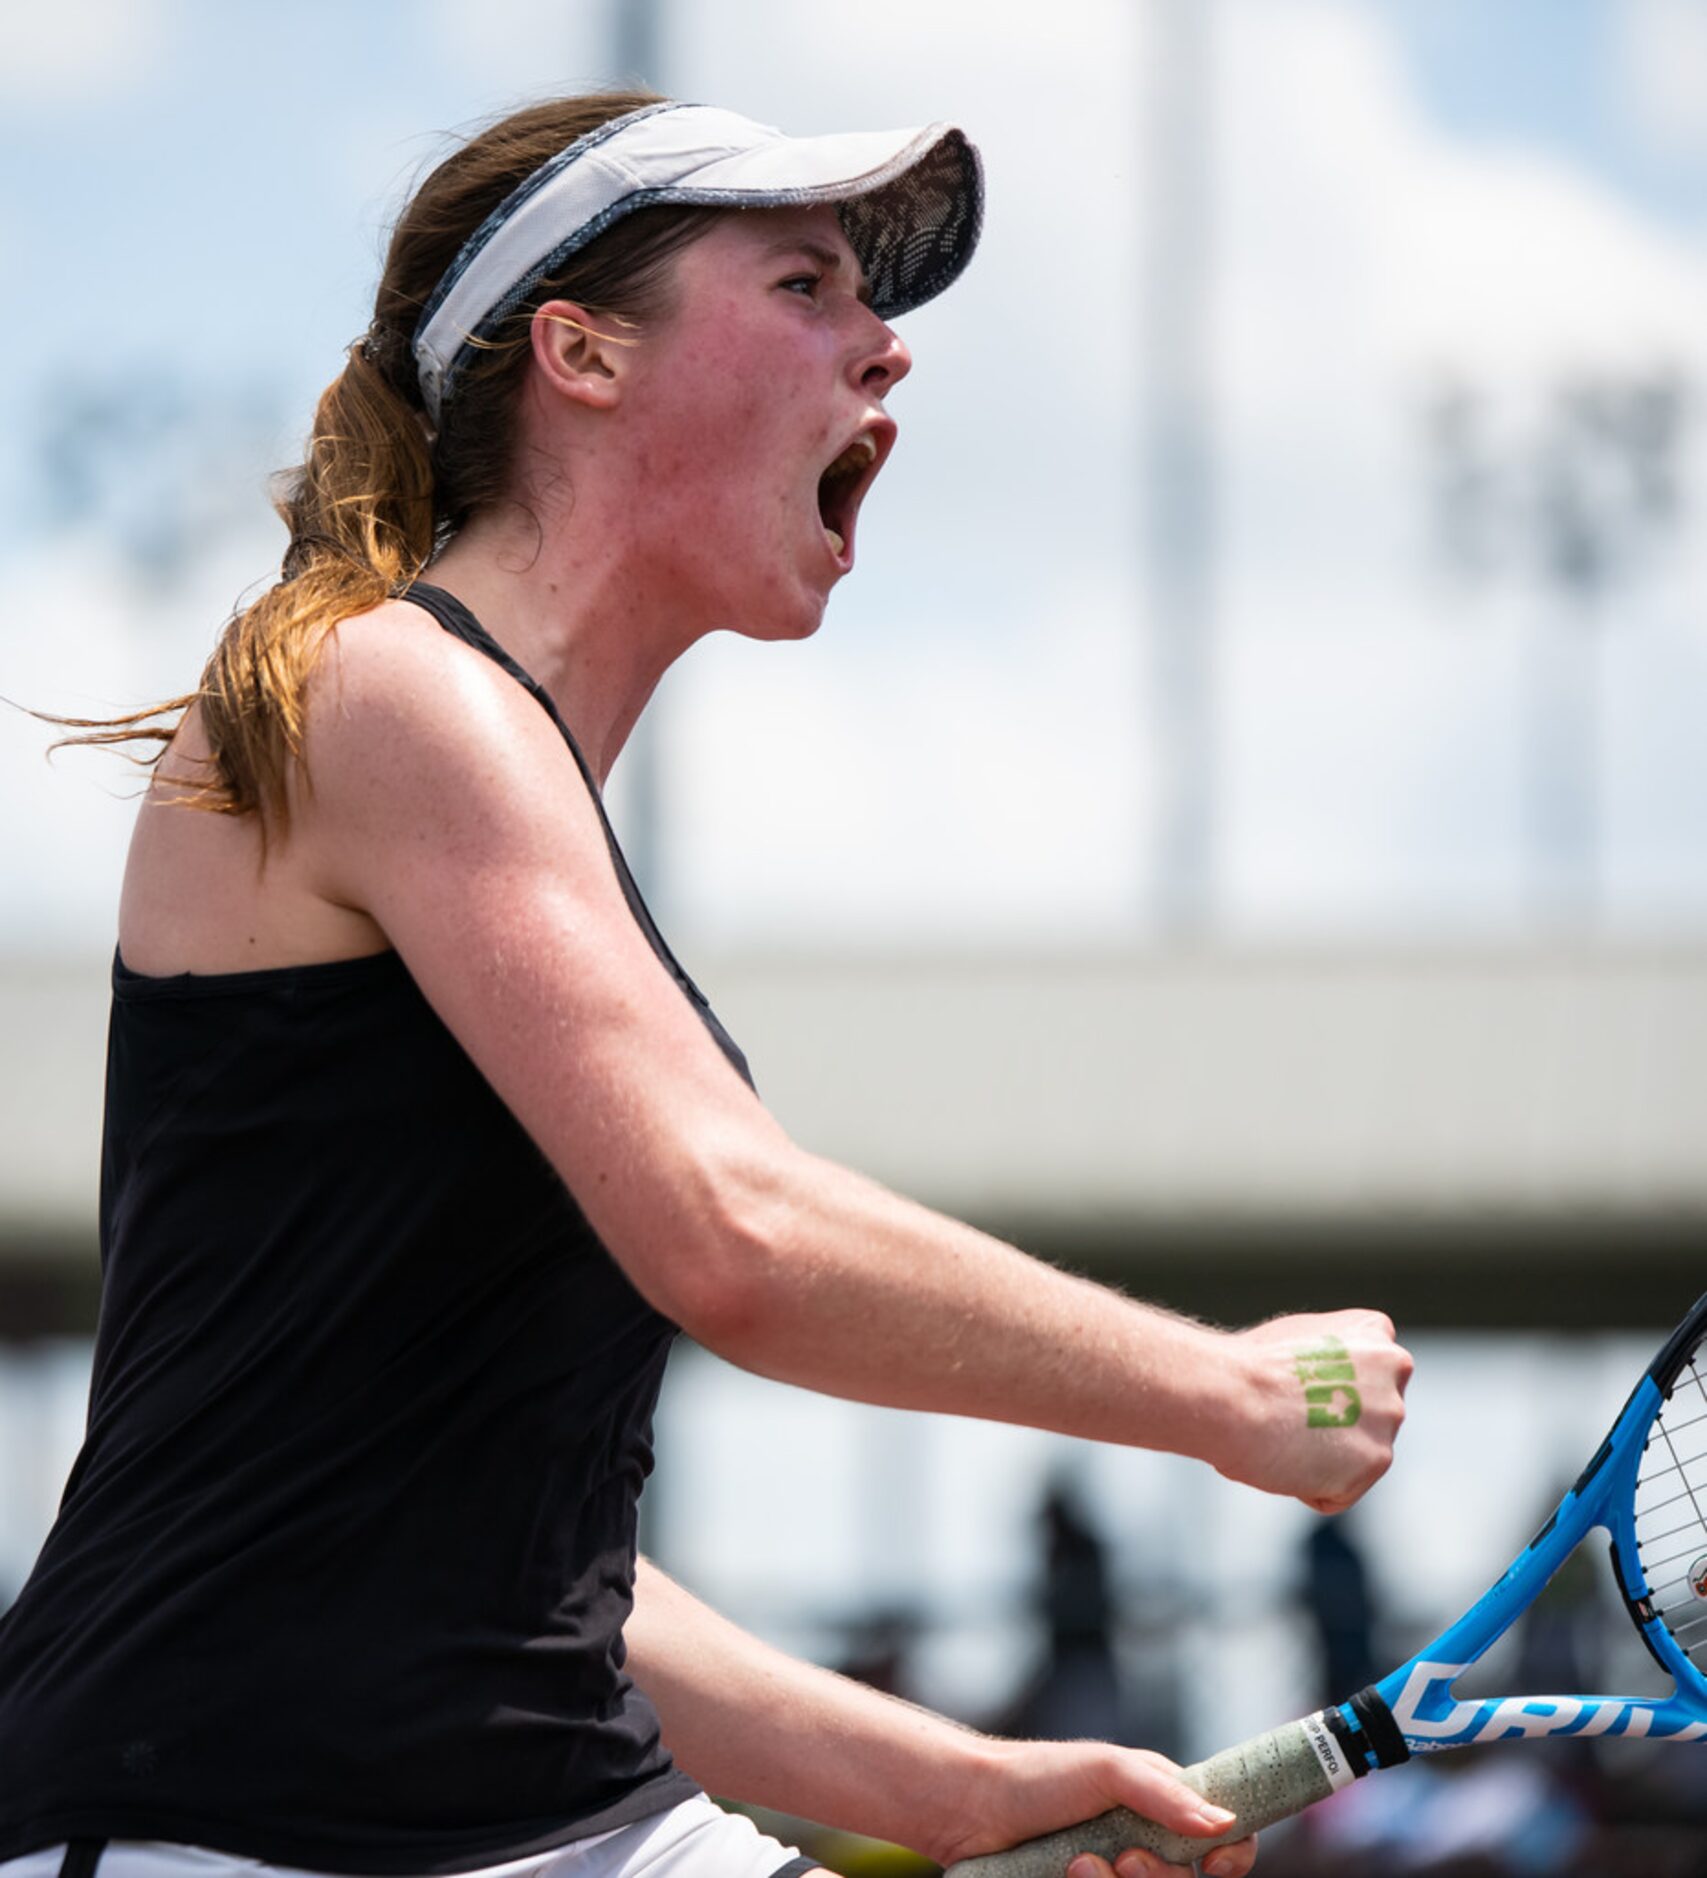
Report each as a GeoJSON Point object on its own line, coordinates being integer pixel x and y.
{"type": "Point", "coordinates": [886, 360]}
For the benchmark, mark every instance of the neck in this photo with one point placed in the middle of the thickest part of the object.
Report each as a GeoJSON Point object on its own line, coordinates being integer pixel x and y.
{"type": "Point", "coordinates": [584, 625]}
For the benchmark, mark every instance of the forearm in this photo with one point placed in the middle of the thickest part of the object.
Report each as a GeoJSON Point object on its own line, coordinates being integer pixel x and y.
{"type": "Point", "coordinates": [825, 1279]}
{"type": "Point", "coordinates": [751, 1723]}
{"type": "Point", "coordinates": [858, 1292]}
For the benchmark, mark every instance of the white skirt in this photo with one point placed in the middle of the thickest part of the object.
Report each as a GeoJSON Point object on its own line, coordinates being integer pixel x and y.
{"type": "Point", "coordinates": [693, 1840]}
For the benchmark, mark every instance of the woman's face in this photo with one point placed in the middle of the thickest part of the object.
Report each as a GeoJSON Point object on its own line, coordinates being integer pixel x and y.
{"type": "Point", "coordinates": [769, 369]}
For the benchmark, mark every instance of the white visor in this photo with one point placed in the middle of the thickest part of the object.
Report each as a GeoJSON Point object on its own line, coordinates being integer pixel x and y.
{"type": "Point", "coordinates": [912, 205]}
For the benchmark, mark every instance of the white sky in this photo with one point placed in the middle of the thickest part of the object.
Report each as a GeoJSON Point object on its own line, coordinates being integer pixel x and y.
{"type": "Point", "coordinates": [970, 747]}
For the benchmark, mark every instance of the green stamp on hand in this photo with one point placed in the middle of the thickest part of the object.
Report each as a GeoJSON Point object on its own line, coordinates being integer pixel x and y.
{"type": "Point", "coordinates": [1329, 1378]}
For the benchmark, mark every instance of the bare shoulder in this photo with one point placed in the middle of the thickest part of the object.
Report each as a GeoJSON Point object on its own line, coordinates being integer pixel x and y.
{"type": "Point", "coordinates": [418, 746]}
{"type": "Point", "coordinates": [412, 735]}
{"type": "Point", "coordinates": [392, 672]}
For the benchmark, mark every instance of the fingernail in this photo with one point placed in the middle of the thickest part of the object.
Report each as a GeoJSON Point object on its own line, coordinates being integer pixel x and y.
{"type": "Point", "coordinates": [1217, 1816]}
{"type": "Point", "coordinates": [1082, 1868]}
{"type": "Point", "coordinates": [1217, 1865]}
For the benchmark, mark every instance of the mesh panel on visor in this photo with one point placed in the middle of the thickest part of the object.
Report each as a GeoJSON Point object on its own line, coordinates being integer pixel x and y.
{"type": "Point", "coordinates": [912, 235]}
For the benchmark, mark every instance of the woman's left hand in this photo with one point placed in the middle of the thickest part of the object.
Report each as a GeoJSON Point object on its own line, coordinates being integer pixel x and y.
{"type": "Point", "coordinates": [1028, 1788]}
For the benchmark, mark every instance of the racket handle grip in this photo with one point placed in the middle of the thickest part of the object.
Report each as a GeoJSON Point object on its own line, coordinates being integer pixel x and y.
{"type": "Point", "coordinates": [1267, 1778]}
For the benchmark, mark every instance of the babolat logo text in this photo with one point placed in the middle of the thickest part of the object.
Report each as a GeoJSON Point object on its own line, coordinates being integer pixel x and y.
{"type": "Point", "coordinates": [1428, 1717]}
{"type": "Point", "coordinates": [1330, 1385]}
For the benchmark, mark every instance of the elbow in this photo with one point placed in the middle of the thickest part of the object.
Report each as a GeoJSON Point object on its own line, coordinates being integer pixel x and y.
{"type": "Point", "coordinates": [728, 1288]}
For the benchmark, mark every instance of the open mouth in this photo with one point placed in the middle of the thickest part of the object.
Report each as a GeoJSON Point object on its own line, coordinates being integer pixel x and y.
{"type": "Point", "coordinates": [841, 489]}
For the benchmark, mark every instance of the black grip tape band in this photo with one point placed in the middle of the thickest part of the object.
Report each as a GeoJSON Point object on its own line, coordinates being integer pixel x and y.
{"type": "Point", "coordinates": [1373, 1739]}
{"type": "Point", "coordinates": [1376, 1719]}
{"type": "Point", "coordinates": [1353, 1741]}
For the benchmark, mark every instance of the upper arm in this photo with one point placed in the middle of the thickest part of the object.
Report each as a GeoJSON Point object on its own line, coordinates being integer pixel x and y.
{"type": "Point", "coordinates": [446, 805]}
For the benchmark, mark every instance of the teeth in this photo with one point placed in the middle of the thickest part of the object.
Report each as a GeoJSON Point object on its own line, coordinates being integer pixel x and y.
{"type": "Point", "coordinates": [855, 457]}
{"type": "Point", "coordinates": [838, 480]}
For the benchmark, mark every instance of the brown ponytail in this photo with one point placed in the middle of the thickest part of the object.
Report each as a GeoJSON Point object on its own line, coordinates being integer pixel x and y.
{"type": "Point", "coordinates": [380, 492]}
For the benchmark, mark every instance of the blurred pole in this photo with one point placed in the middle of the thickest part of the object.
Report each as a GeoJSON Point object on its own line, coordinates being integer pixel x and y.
{"type": "Point", "coordinates": [894, 1508]}
{"type": "Point", "coordinates": [637, 62]}
{"type": "Point", "coordinates": [1607, 495]}
{"type": "Point", "coordinates": [1581, 504]}
{"type": "Point", "coordinates": [637, 43]}
{"type": "Point", "coordinates": [1580, 517]}
{"type": "Point", "coordinates": [1565, 772]}
{"type": "Point", "coordinates": [1178, 493]}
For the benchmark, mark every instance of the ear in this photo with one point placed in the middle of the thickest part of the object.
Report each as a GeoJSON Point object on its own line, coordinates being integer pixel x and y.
{"type": "Point", "coordinates": [583, 355]}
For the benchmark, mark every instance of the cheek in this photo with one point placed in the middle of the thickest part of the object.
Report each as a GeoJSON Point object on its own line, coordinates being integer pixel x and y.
{"type": "Point", "coordinates": [719, 371]}
{"type": "Point", "coordinates": [728, 465]}
{"type": "Point", "coordinates": [726, 440]}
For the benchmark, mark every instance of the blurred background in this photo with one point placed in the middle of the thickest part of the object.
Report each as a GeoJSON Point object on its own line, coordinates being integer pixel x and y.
{"type": "Point", "coordinates": [1242, 831]}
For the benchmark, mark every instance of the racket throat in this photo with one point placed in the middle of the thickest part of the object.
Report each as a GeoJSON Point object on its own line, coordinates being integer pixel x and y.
{"type": "Point", "coordinates": [1367, 1734]}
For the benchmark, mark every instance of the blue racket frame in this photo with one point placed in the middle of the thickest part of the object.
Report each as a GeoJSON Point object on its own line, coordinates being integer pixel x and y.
{"type": "Point", "coordinates": [1414, 1711]}
{"type": "Point", "coordinates": [1418, 1695]}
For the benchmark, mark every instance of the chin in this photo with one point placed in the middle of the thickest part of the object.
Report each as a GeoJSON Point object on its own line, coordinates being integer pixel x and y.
{"type": "Point", "coordinates": [780, 624]}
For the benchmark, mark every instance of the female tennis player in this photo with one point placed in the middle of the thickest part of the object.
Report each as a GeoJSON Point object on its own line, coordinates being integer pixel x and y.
{"type": "Point", "coordinates": [420, 1145]}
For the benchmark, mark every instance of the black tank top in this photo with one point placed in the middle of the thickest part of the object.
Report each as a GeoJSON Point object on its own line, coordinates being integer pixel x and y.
{"type": "Point", "coordinates": [340, 1573]}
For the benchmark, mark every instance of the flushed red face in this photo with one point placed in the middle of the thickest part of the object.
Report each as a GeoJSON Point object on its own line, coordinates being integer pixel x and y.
{"type": "Point", "coordinates": [757, 419]}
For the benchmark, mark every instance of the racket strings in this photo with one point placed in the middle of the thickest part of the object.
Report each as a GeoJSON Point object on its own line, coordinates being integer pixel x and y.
{"type": "Point", "coordinates": [1689, 1528]}
{"type": "Point", "coordinates": [1659, 1506]}
{"type": "Point", "coordinates": [1671, 1510]}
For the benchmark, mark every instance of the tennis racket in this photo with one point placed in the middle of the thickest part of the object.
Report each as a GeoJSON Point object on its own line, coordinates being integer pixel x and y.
{"type": "Point", "coordinates": [1645, 1487]}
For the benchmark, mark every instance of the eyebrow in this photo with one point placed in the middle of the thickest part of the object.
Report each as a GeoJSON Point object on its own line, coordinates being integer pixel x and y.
{"type": "Point", "coordinates": [826, 257]}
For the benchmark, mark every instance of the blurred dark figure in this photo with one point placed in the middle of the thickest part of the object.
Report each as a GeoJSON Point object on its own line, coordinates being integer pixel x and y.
{"type": "Point", "coordinates": [880, 1648]}
{"type": "Point", "coordinates": [1337, 1599]}
{"type": "Point", "coordinates": [1076, 1693]}
{"type": "Point", "coordinates": [1561, 1639]}
{"type": "Point", "coordinates": [1561, 1648]}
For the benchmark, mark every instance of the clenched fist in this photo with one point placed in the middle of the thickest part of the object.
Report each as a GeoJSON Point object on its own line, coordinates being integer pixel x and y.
{"type": "Point", "coordinates": [1322, 1397]}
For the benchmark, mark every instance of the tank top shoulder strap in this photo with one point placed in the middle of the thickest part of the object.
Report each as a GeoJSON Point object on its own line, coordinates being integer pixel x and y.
{"type": "Point", "coordinates": [457, 620]}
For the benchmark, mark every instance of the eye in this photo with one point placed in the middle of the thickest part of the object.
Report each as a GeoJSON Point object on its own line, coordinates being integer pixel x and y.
{"type": "Point", "coordinates": [797, 283]}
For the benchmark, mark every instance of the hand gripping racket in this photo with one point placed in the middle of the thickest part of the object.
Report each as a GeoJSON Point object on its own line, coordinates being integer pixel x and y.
{"type": "Point", "coordinates": [1646, 1487]}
